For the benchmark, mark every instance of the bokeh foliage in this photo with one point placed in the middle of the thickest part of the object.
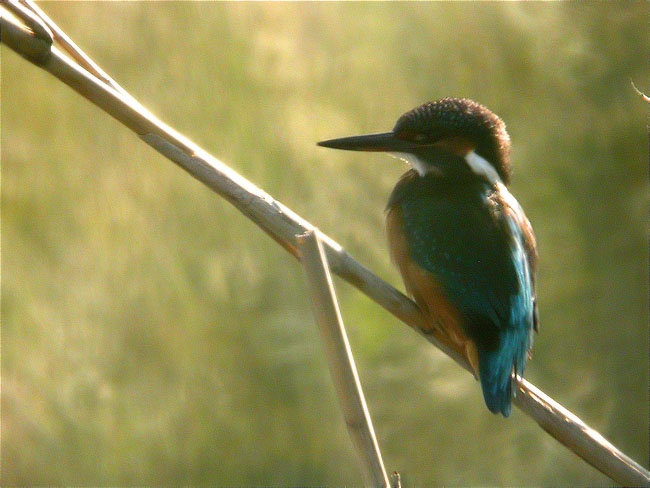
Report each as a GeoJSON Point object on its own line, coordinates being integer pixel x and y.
{"type": "Point", "coordinates": [151, 335]}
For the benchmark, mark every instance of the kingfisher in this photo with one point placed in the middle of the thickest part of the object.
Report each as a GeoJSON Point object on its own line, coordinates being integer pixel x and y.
{"type": "Point", "coordinates": [462, 243]}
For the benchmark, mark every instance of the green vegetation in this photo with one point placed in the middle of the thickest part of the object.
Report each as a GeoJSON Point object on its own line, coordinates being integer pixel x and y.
{"type": "Point", "coordinates": [151, 335]}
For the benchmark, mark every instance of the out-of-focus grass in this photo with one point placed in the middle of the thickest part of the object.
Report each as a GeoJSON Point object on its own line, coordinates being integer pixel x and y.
{"type": "Point", "coordinates": [151, 335]}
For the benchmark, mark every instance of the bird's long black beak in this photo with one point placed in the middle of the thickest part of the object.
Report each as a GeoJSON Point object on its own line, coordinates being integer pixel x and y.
{"type": "Point", "coordinates": [383, 142]}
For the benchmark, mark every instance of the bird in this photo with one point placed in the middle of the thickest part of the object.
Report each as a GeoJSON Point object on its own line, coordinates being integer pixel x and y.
{"type": "Point", "coordinates": [462, 243]}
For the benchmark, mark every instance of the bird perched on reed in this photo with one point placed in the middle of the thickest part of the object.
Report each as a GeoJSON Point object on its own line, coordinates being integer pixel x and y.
{"type": "Point", "coordinates": [462, 243]}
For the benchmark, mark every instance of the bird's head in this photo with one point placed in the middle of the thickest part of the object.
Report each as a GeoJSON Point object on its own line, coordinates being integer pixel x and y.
{"type": "Point", "coordinates": [462, 127]}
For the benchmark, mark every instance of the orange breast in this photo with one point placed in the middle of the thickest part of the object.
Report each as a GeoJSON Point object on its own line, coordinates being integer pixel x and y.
{"type": "Point", "coordinates": [445, 320]}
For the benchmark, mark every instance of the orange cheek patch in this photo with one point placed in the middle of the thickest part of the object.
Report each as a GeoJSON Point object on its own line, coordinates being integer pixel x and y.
{"type": "Point", "coordinates": [458, 145]}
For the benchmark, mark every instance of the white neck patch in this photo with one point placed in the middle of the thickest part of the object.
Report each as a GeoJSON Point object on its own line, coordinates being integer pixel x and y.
{"type": "Point", "coordinates": [477, 164]}
{"type": "Point", "coordinates": [481, 167]}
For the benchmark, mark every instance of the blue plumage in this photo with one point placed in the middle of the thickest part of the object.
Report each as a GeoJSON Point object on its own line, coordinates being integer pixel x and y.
{"type": "Point", "coordinates": [464, 231]}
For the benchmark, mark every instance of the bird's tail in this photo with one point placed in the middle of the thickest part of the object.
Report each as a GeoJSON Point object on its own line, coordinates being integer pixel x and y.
{"type": "Point", "coordinates": [496, 367]}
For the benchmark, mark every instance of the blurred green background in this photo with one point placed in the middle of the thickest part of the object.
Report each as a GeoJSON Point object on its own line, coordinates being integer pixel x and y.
{"type": "Point", "coordinates": [152, 335]}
